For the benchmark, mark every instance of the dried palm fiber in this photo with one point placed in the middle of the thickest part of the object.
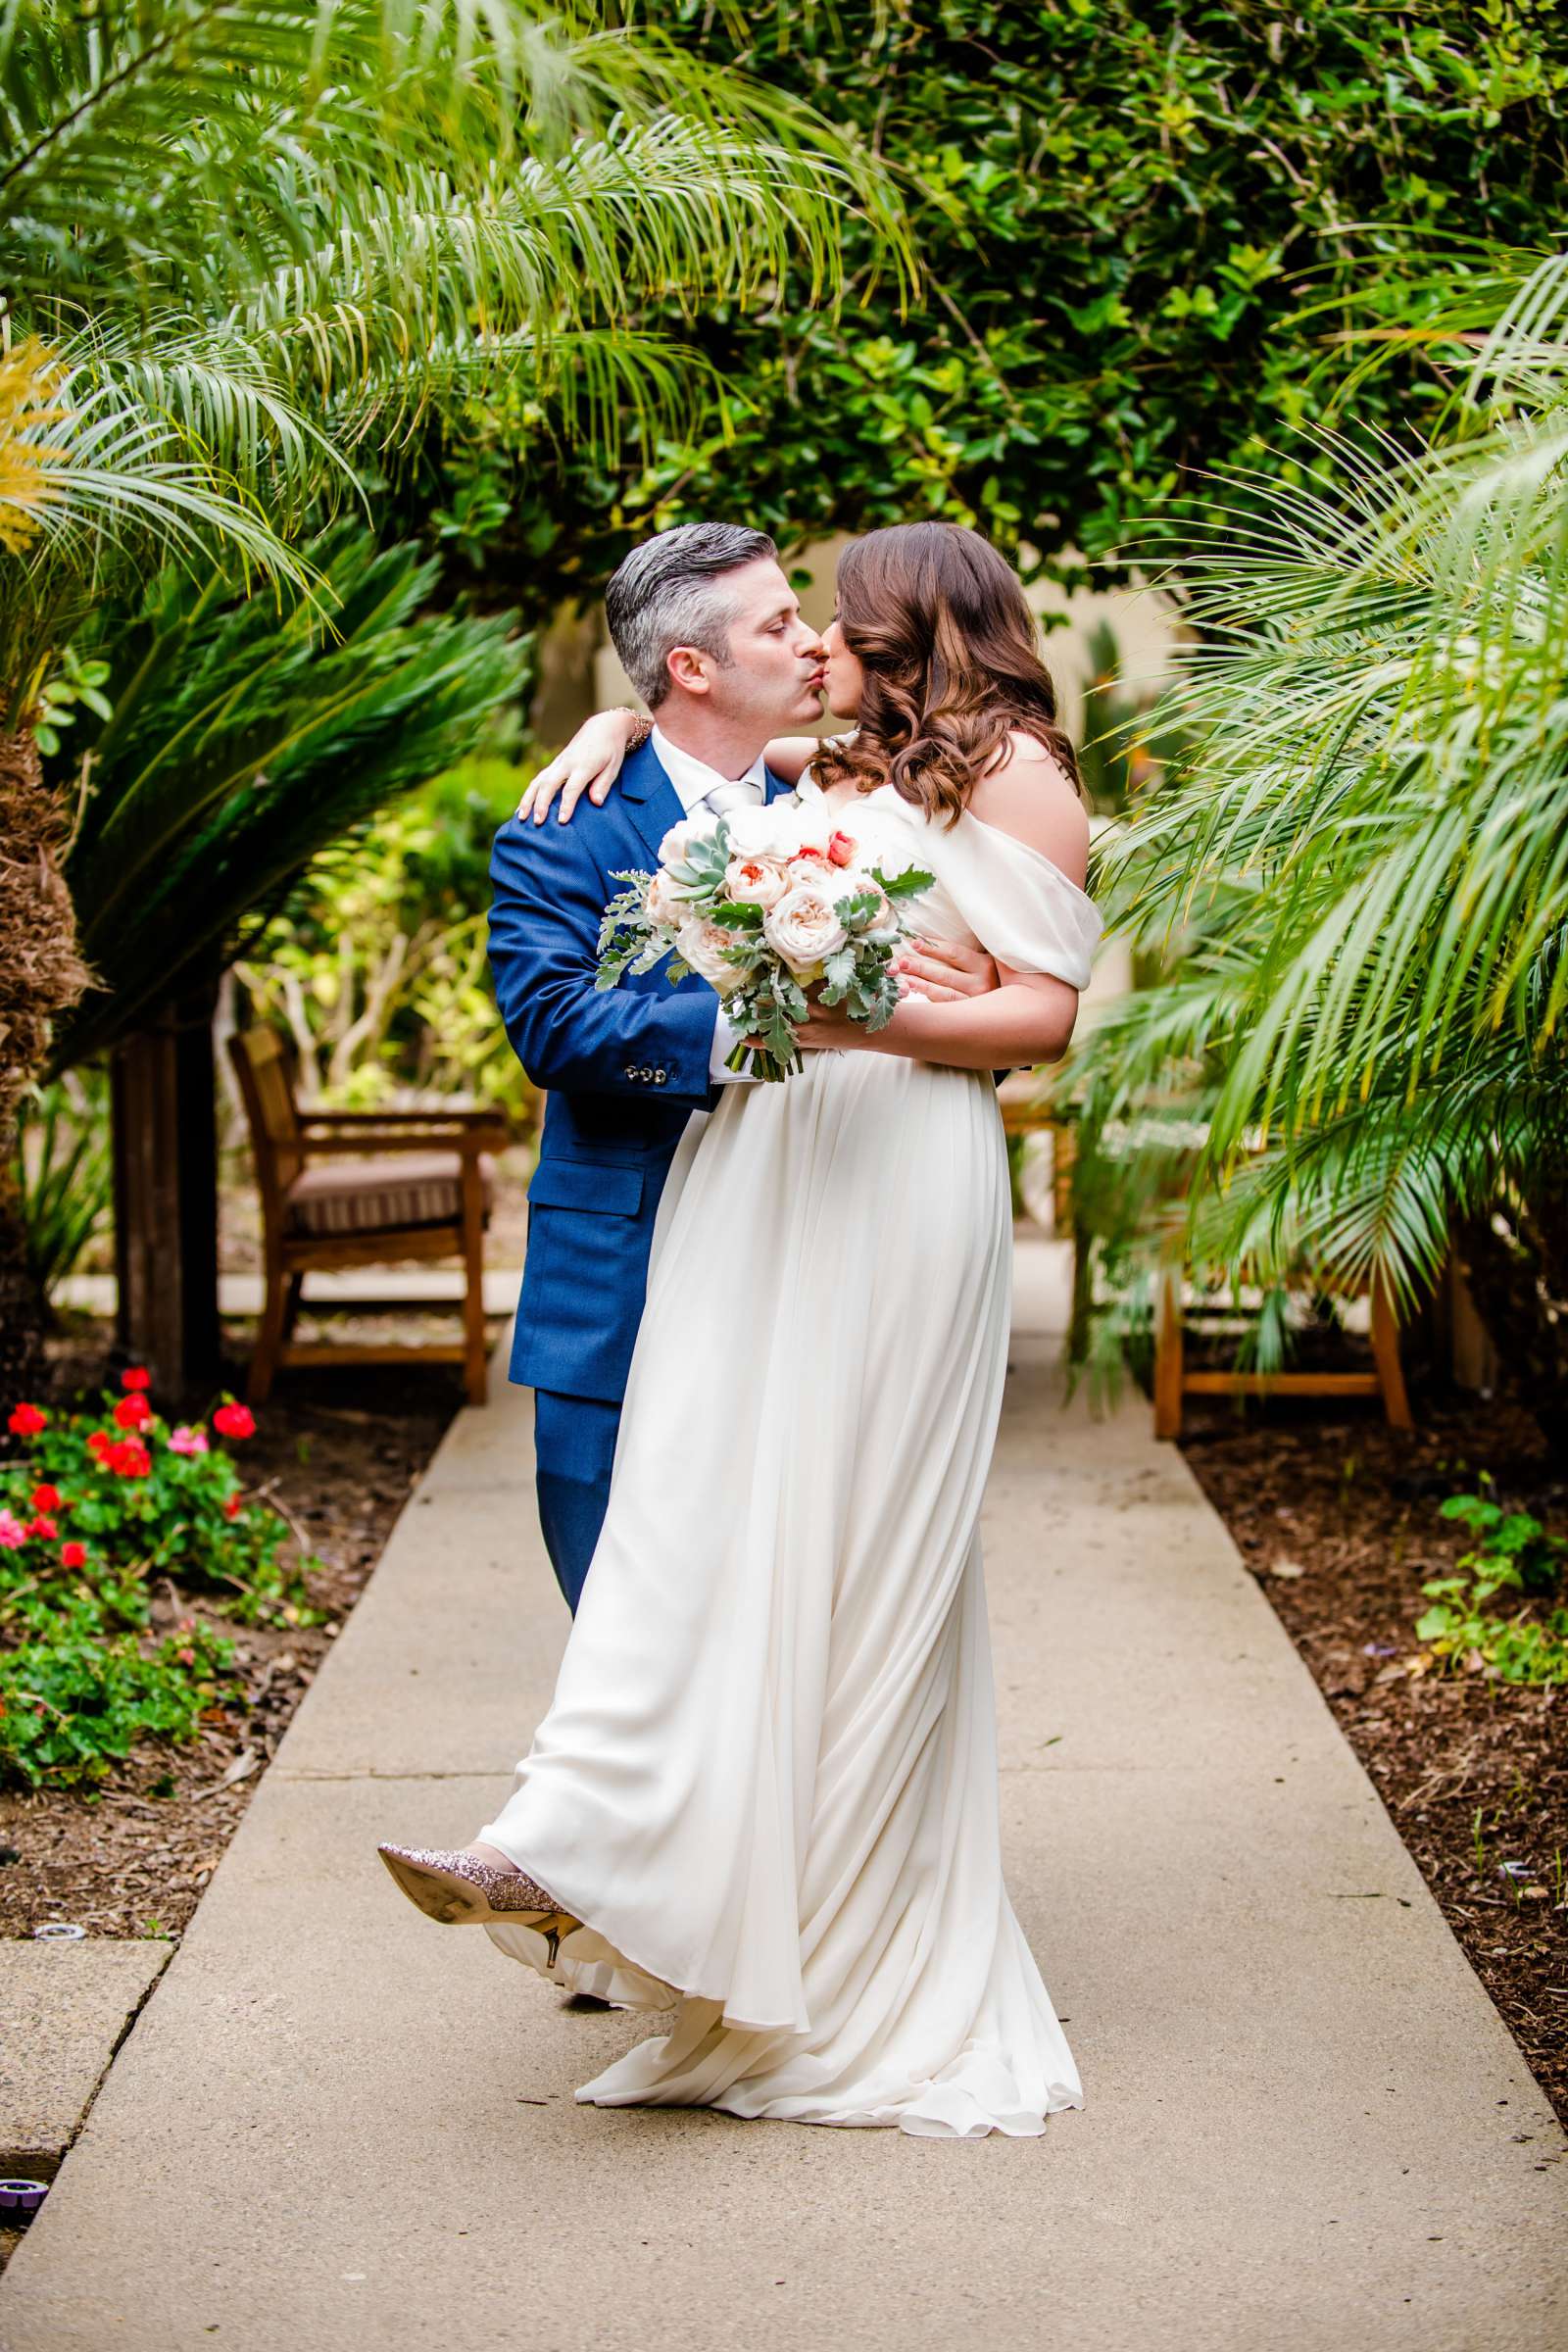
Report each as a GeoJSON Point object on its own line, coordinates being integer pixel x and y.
{"type": "Point", "coordinates": [40, 972]}
{"type": "Point", "coordinates": [41, 976]}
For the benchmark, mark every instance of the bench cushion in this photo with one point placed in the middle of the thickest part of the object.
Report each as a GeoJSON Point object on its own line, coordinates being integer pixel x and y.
{"type": "Point", "coordinates": [396, 1189]}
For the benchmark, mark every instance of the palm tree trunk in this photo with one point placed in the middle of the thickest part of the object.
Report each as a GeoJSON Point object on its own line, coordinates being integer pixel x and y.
{"type": "Point", "coordinates": [41, 976]}
{"type": "Point", "coordinates": [164, 1091]}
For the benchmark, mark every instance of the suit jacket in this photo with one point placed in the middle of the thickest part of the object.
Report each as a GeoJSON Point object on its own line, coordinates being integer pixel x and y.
{"type": "Point", "coordinates": [623, 1069]}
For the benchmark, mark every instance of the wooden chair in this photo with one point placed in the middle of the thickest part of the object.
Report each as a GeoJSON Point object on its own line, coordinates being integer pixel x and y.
{"type": "Point", "coordinates": [1026, 1111]}
{"type": "Point", "coordinates": [1173, 1382]}
{"type": "Point", "coordinates": [357, 1188]}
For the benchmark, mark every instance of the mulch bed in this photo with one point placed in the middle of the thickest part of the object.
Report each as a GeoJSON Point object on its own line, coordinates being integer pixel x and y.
{"type": "Point", "coordinates": [339, 1454]}
{"type": "Point", "coordinates": [1339, 1520]}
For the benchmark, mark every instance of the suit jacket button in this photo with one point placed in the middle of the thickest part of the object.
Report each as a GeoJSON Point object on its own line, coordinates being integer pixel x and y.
{"type": "Point", "coordinates": [658, 1077]}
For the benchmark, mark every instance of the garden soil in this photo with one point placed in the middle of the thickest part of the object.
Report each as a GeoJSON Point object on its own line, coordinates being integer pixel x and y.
{"type": "Point", "coordinates": [338, 1454]}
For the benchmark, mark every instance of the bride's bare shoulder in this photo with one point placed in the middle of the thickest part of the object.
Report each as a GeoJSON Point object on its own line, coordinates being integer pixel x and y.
{"type": "Point", "coordinates": [1031, 796]}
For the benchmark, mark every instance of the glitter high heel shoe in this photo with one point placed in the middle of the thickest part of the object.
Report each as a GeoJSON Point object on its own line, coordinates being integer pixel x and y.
{"type": "Point", "coordinates": [461, 1891]}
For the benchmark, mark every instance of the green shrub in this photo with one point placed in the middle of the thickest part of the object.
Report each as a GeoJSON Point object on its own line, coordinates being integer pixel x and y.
{"type": "Point", "coordinates": [1513, 1554]}
{"type": "Point", "coordinates": [73, 1705]}
{"type": "Point", "coordinates": [99, 1505]}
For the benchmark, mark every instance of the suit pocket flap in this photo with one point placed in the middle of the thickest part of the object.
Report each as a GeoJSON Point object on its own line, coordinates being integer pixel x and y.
{"type": "Point", "coordinates": [613, 1190]}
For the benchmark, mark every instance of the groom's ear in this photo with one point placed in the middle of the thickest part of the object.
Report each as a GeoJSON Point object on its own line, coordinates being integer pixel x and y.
{"type": "Point", "coordinates": [688, 669]}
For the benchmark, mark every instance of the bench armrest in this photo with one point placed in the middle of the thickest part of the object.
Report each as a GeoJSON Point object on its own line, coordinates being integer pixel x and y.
{"type": "Point", "coordinates": [482, 1134]}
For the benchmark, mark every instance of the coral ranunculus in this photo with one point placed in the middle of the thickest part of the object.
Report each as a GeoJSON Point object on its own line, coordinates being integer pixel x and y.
{"type": "Point", "coordinates": [46, 1498]}
{"type": "Point", "coordinates": [133, 1413]}
{"type": "Point", "coordinates": [72, 1556]}
{"type": "Point", "coordinates": [137, 1377]}
{"type": "Point", "coordinates": [27, 1421]}
{"type": "Point", "coordinates": [234, 1421]}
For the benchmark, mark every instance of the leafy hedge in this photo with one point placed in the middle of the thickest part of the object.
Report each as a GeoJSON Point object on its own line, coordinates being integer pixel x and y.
{"type": "Point", "coordinates": [1121, 209]}
{"type": "Point", "coordinates": [101, 1506]}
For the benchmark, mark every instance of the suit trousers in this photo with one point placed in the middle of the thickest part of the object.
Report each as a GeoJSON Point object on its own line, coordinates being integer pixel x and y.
{"type": "Point", "coordinates": [574, 1449]}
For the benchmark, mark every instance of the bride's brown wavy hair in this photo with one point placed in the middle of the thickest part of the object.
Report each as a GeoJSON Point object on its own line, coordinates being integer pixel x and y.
{"type": "Point", "coordinates": [940, 625]}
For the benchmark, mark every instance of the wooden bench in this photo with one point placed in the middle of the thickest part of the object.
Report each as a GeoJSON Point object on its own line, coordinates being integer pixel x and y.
{"type": "Point", "coordinates": [344, 1188]}
{"type": "Point", "coordinates": [1174, 1382]}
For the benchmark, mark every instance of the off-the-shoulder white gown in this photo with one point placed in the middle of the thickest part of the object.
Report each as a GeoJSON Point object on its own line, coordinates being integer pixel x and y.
{"type": "Point", "coordinates": [767, 1782]}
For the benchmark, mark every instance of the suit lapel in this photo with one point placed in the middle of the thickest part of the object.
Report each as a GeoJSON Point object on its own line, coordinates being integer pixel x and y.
{"type": "Point", "coordinates": [653, 804]}
{"type": "Point", "coordinates": [650, 800]}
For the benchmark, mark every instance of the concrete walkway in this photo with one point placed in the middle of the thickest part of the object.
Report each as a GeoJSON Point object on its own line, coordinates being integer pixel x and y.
{"type": "Point", "coordinates": [336, 2126]}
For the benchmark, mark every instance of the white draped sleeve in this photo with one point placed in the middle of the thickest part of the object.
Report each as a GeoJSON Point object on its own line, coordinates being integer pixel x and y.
{"type": "Point", "coordinates": [1020, 906]}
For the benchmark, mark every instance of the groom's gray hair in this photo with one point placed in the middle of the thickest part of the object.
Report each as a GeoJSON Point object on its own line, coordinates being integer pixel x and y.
{"type": "Point", "coordinates": [670, 591]}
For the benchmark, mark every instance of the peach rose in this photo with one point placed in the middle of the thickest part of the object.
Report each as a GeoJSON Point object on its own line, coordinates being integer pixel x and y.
{"type": "Point", "coordinates": [803, 929]}
{"type": "Point", "coordinates": [665, 903]}
{"type": "Point", "coordinates": [755, 881]}
{"type": "Point", "coordinates": [702, 944]}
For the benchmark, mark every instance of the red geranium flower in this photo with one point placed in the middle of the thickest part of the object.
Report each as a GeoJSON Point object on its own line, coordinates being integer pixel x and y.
{"type": "Point", "coordinates": [43, 1525]}
{"type": "Point", "coordinates": [133, 1413]}
{"type": "Point", "coordinates": [130, 1459]}
{"type": "Point", "coordinates": [234, 1421]}
{"type": "Point", "coordinates": [137, 1377]}
{"type": "Point", "coordinates": [72, 1556]}
{"type": "Point", "coordinates": [235, 1505]}
{"type": "Point", "coordinates": [46, 1498]}
{"type": "Point", "coordinates": [27, 1421]}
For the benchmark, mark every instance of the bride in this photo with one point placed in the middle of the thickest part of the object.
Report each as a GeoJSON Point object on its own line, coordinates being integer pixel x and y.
{"type": "Point", "coordinates": [765, 1794]}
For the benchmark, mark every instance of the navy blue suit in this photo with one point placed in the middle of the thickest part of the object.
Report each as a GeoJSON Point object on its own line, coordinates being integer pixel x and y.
{"type": "Point", "coordinates": [622, 1070]}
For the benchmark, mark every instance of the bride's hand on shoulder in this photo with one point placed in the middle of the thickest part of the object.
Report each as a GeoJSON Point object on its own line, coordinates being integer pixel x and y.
{"type": "Point", "coordinates": [590, 764]}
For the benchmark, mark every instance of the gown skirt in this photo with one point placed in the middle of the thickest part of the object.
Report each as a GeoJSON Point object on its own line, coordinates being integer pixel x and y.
{"type": "Point", "coordinates": [768, 1783]}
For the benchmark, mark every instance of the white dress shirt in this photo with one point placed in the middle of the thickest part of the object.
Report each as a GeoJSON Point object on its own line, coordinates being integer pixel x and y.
{"type": "Point", "coordinates": [693, 780]}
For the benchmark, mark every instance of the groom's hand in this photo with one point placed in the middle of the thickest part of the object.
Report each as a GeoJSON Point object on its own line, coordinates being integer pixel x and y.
{"type": "Point", "coordinates": [943, 971]}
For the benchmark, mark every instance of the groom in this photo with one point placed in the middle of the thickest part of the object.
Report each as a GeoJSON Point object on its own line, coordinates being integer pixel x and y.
{"type": "Point", "coordinates": [711, 635]}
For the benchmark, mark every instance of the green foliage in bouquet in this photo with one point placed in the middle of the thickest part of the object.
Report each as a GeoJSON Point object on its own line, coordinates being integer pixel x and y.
{"type": "Point", "coordinates": [99, 1506]}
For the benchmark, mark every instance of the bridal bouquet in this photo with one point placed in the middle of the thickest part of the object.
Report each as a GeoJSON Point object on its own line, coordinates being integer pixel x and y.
{"type": "Point", "coordinates": [763, 904]}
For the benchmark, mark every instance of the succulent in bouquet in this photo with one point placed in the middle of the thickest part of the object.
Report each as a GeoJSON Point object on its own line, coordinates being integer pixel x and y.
{"type": "Point", "coordinates": [764, 905]}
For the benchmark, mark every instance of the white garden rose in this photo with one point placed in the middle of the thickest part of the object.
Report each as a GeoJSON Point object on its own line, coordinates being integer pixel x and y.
{"type": "Point", "coordinates": [680, 841]}
{"type": "Point", "coordinates": [803, 928]}
{"type": "Point", "coordinates": [755, 881]}
{"type": "Point", "coordinates": [762, 832]}
{"type": "Point", "coordinates": [702, 944]}
{"type": "Point", "coordinates": [665, 902]}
